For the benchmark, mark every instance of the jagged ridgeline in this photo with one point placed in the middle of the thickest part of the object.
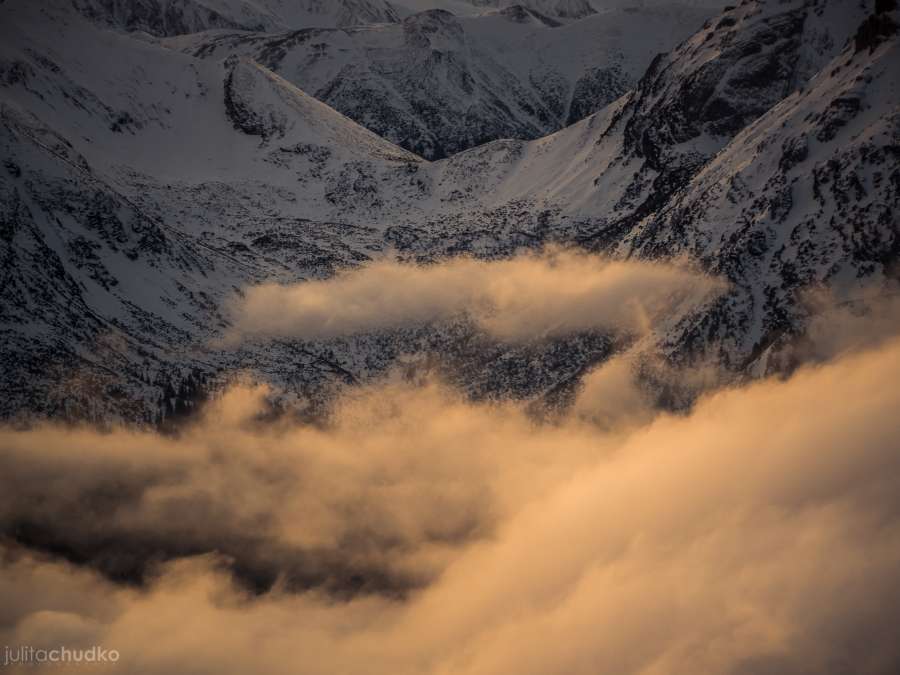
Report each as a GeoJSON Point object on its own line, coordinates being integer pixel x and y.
{"type": "Point", "coordinates": [158, 159]}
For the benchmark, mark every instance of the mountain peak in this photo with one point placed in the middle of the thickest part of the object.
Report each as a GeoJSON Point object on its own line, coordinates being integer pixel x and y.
{"type": "Point", "coordinates": [165, 18]}
{"type": "Point", "coordinates": [561, 9]}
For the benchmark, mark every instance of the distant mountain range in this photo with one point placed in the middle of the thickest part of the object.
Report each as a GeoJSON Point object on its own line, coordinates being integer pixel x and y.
{"type": "Point", "coordinates": [437, 84]}
{"type": "Point", "coordinates": [177, 17]}
{"type": "Point", "coordinates": [564, 9]}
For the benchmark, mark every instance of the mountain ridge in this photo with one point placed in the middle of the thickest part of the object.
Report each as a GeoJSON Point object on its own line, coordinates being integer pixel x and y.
{"type": "Point", "coordinates": [127, 224]}
{"type": "Point", "coordinates": [437, 83]}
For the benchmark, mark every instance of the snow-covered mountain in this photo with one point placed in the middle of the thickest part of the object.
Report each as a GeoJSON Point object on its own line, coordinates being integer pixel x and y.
{"type": "Point", "coordinates": [605, 174]}
{"type": "Point", "coordinates": [804, 197]}
{"type": "Point", "coordinates": [143, 186]}
{"type": "Point", "coordinates": [177, 17]}
{"type": "Point", "coordinates": [140, 188]}
{"type": "Point", "coordinates": [437, 84]}
{"type": "Point", "coordinates": [559, 9]}
{"type": "Point", "coordinates": [456, 7]}
{"type": "Point", "coordinates": [563, 9]}
{"type": "Point", "coordinates": [331, 13]}
{"type": "Point", "coordinates": [645, 177]}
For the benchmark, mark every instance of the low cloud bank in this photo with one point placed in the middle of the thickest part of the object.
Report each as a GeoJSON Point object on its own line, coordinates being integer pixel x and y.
{"type": "Point", "coordinates": [533, 296]}
{"type": "Point", "coordinates": [374, 502]}
{"type": "Point", "coordinates": [421, 533]}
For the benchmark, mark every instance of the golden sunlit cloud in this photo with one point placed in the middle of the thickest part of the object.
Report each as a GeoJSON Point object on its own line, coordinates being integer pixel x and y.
{"type": "Point", "coordinates": [531, 296]}
{"type": "Point", "coordinates": [421, 533]}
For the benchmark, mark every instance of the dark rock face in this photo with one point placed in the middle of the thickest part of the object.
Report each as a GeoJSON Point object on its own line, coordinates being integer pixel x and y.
{"type": "Point", "coordinates": [596, 89]}
{"type": "Point", "coordinates": [242, 116]}
{"type": "Point", "coordinates": [693, 101]}
{"type": "Point", "coordinates": [876, 28]}
{"type": "Point", "coordinates": [809, 198]}
{"type": "Point", "coordinates": [448, 102]}
{"type": "Point", "coordinates": [439, 103]}
{"type": "Point", "coordinates": [754, 70]}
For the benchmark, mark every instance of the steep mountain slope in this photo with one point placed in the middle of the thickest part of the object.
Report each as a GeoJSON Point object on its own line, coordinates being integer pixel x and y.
{"type": "Point", "coordinates": [659, 174]}
{"type": "Point", "coordinates": [143, 188]}
{"type": "Point", "coordinates": [603, 175]}
{"type": "Point", "coordinates": [693, 101]}
{"type": "Point", "coordinates": [807, 196]}
{"type": "Point", "coordinates": [133, 205]}
{"type": "Point", "coordinates": [437, 84]}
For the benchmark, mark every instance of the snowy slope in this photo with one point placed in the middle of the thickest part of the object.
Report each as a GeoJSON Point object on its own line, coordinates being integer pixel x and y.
{"type": "Point", "coordinates": [135, 204]}
{"type": "Point", "coordinates": [178, 17]}
{"type": "Point", "coordinates": [552, 8]}
{"type": "Point", "coordinates": [705, 159]}
{"type": "Point", "coordinates": [437, 84]}
{"type": "Point", "coordinates": [456, 7]}
{"type": "Point", "coordinates": [142, 188]}
{"type": "Point", "coordinates": [611, 170]}
{"type": "Point", "coordinates": [679, 167]}
{"type": "Point", "coordinates": [331, 13]}
{"type": "Point", "coordinates": [806, 196]}
{"type": "Point", "coordinates": [602, 5]}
